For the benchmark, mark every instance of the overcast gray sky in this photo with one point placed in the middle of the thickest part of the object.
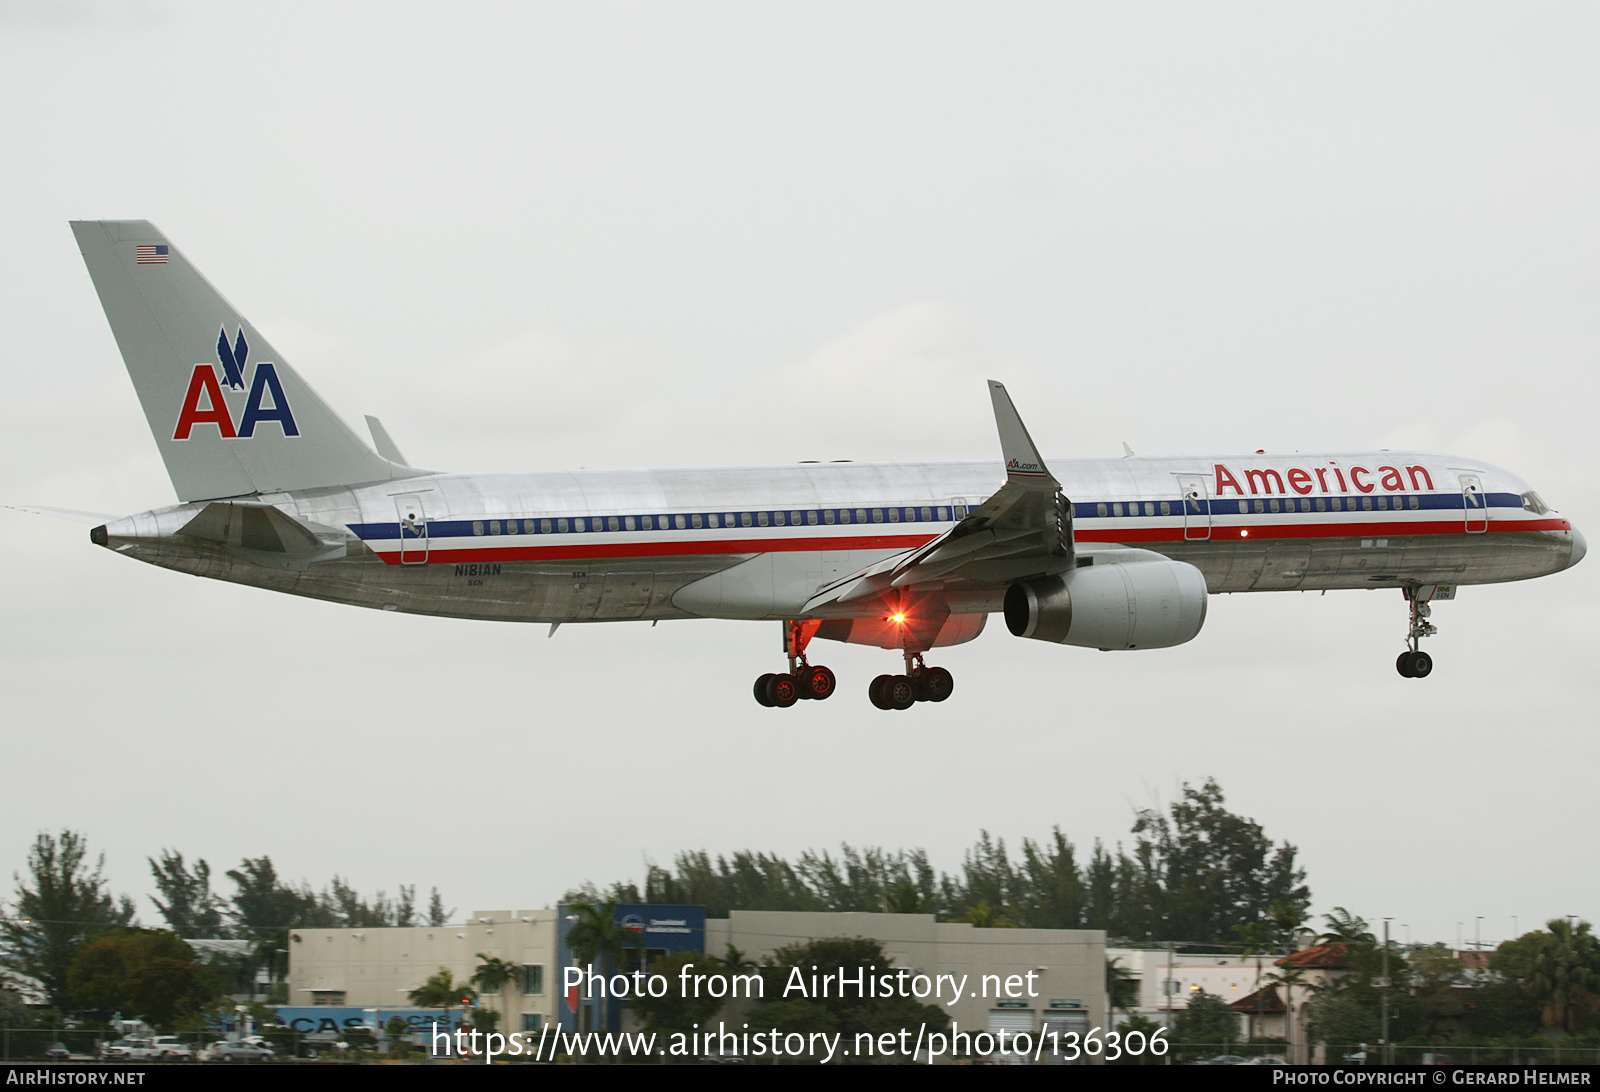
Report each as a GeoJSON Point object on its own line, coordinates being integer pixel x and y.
{"type": "Point", "coordinates": [557, 235]}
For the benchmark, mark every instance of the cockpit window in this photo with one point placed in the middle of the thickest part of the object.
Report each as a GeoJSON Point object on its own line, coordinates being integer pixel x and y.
{"type": "Point", "coordinates": [1534, 503]}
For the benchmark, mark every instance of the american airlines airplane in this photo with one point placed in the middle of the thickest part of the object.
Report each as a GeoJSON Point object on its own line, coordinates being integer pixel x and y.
{"type": "Point", "coordinates": [277, 491]}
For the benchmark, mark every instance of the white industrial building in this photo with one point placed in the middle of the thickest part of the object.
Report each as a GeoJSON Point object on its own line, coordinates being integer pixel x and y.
{"type": "Point", "coordinates": [1017, 979]}
{"type": "Point", "coordinates": [1168, 979]}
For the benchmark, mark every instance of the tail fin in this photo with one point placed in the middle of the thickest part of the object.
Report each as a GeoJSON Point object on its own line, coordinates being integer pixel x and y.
{"type": "Point", "coordinates": [230, 416]}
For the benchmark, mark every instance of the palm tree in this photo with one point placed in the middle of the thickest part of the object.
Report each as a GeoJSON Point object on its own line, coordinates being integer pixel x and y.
{"type": "Point", "coordinates": [1291, 977]}
{"type": "Point", "coordinates": [494, 975]}
{"type": "Point", "coordinates": [1122, 989]}
{"type": "Point", "coordinates": [1564, 977]}
{"type": "Point", "coordinates": [442, 991]}
{"type": "Point", "coordinates": [736, 962]}
{"type": "Point", "coordinates": [985, 916]}
{"type": "Point", "coordinates": [597, 937]}
{"type": "Point", "coordinates": [1345, 928]}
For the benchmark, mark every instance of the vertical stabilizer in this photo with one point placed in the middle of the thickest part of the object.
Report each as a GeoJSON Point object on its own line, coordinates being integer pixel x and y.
{"type": "Point", "coordinates": [230, 416]}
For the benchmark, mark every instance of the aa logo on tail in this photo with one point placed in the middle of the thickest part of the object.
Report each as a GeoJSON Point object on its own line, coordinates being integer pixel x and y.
{"type": "Point", "coordinates": [204, 404]}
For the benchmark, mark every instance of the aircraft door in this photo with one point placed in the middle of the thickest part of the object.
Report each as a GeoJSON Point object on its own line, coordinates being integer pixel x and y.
{"type": "Point", "coordinates": [413, 529]}
{"type": "Point", "coordinates": [1196, 507]}
{"type": "Point", "coordinates": [1475, 504]}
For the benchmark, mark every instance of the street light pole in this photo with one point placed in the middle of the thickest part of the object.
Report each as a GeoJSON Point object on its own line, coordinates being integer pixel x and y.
{"type": "Point", "coordinates": [1169, 995]}
{"type": "Point", "coordinates": [1383, 1043]}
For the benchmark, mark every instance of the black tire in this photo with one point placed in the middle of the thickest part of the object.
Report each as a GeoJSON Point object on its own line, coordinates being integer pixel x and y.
{"type": "Point", "coordinates": [877, 690]}
{"type": "Point", "coordinates": [761, 690]}
{"type": "Point", "coordinates": [782, 691]}
{"type": "Point", "coordinates": [820, 683]}
{"type": "Point", "coordinates": [937, 684]}
{"type": "Point", "coordinates": [1421, 665]}
{"type": "Point", "coordinates": [900, 691]}
{"type": "Point", "coordinates": [1403, 665]}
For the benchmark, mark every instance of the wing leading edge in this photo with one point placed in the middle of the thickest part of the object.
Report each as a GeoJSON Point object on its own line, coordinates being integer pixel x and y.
{"type": "Point", "coordinates": [1023, 530]}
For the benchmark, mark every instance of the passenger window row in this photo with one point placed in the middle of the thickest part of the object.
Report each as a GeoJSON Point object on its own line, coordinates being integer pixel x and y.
{"type": "Point", "coordinates": [1263, 505]}
{"type": "Point", "coordinates": [702, 520]}
{"type": "Point", "coordinates": [1150, 508]}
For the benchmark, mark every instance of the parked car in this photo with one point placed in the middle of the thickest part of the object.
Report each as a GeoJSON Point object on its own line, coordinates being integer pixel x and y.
{"type": "Point", "coordinates": [130, 1050]}
{"type": "Point", "coordinates": [172, 1048]}
{"type": "Point", "coordinates": [236, 1052]}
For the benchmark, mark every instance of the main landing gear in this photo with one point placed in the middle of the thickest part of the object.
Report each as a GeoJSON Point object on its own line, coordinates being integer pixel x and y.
{"type": "Point", "coordinates": [782, 691]}
{"type": "Point", "coordinates": [919, 683]}
{"type": "Point", "coordinates": [1414, 663]}
{"type": "Point", "coordinates": [802, 680]}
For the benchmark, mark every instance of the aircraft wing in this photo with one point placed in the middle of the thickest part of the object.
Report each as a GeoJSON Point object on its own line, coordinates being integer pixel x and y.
{"type": "Point", "coordinates": [1024, 530]}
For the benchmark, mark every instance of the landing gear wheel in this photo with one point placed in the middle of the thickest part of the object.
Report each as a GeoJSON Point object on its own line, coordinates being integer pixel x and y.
{"type": "Point", "coordinates": [782, 691]}
{"type": "Point", "coordinates": [1414, 663]}
{"type": "Point", "coordinates": [818, 683]}
{"type": "Point", "coordinates": [761, 690]}
{"type": "Point", "coordinates": [877, 690]}
{"type": "Point", "coordinates": [937, 684]}
{"type": "Point", "coordinates": [900, 691]}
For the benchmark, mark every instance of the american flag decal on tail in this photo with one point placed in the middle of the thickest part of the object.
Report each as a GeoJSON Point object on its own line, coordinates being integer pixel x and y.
{"type": "Point", "coordinates": [150, 254]}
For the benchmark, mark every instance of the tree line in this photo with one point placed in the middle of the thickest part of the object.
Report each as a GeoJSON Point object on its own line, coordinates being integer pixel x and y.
{"type": "Point", "coordinates": [84, 946]}
{"type": "Point", "coordinates": [262, 902]}
{"type": "Point", "coordinates": [1195, 873]}
{"type": "Point", "coordinates": [1545, 983]}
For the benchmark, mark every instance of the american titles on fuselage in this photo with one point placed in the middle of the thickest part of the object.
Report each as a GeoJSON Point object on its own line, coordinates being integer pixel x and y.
{"type": "Point", "coordinates": [1268, 480]}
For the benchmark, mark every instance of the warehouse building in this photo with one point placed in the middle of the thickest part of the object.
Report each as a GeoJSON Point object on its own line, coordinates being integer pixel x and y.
{"type": "Point", "coordinates": [1014, 979]}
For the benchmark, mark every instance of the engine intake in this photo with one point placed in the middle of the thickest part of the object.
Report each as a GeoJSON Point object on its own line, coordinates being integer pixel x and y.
{"type": "Point", "coordinates": [1146, 604]}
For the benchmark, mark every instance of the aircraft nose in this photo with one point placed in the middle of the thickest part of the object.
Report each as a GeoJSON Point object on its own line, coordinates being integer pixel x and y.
{"type": "Point", "coordinates": [1579, 548]}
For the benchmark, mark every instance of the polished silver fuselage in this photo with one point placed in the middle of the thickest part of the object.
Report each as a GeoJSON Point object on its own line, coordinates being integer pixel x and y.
{"type": "Point", "coordinates": [588, 546]}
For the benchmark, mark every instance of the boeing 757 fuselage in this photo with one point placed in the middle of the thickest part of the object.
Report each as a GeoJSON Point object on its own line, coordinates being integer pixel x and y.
{"type": "Point", "coordinates": [278, 492]}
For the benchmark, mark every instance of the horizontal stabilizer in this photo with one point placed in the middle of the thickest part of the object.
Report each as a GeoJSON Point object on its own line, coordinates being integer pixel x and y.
{"type": "Point", "coordinates": [258, 527]}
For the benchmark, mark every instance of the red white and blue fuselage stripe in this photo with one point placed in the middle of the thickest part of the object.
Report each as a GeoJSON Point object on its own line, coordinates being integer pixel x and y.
{"type": "Point", "coordinates": [546, 536]}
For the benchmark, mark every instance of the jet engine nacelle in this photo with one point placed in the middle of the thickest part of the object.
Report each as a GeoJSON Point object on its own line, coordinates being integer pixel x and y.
{"type": "Point", "coordinates": [1145, 604]}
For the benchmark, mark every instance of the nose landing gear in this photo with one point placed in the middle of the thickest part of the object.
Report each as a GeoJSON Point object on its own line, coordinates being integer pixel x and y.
{"type": "Point", "coordinates": [1414, 663]}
